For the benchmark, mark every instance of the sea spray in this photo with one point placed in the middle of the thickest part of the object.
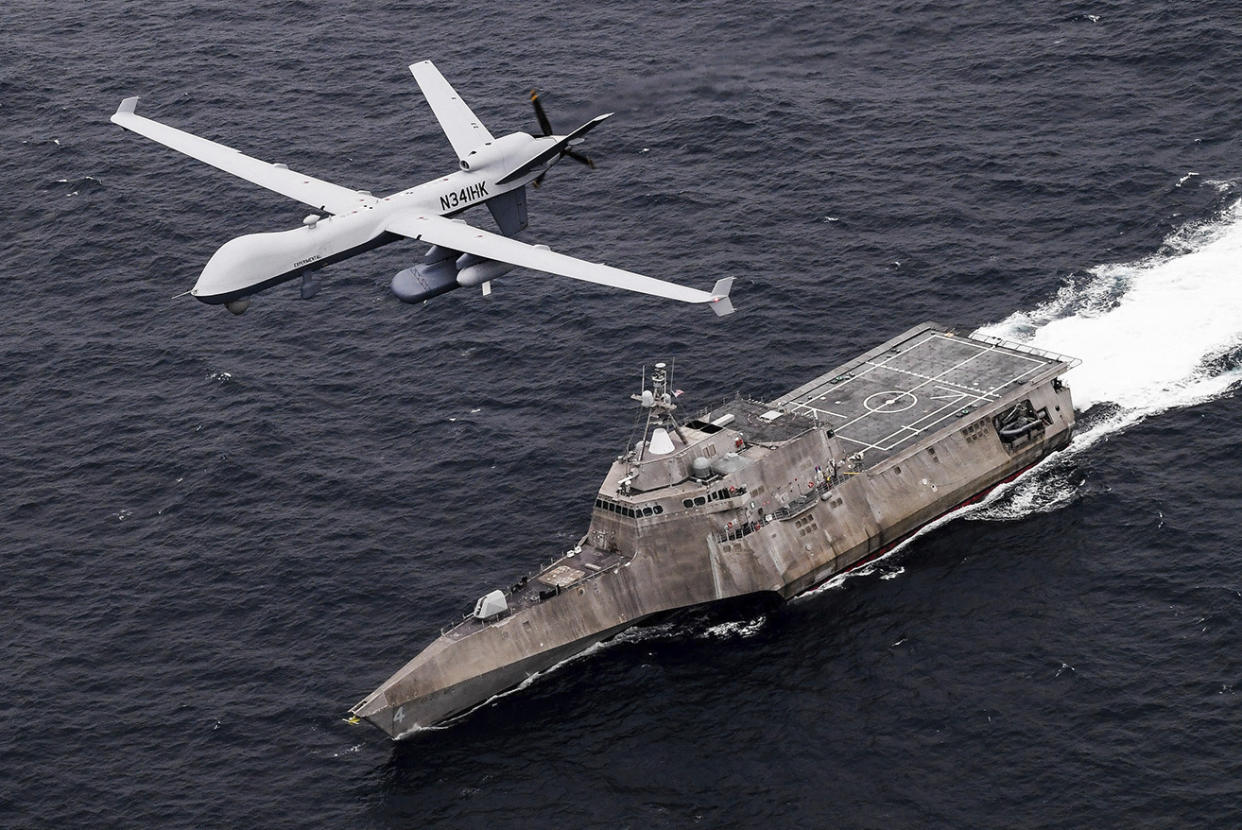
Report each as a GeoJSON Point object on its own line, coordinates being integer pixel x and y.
{"type": "Point", "coordinates": [1156, 334]}
{"type": "Point", "coordinates": [1151, 334]}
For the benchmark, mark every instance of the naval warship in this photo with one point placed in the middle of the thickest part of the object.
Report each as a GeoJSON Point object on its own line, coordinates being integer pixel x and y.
{"type": "Point", "coordinates": [754, 498]}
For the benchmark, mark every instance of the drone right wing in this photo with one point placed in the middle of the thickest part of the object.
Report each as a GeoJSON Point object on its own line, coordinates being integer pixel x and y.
{"type": "Point", "coordinates": [458, 236]}
{"type": "Point", "coordinates": [321, 195]}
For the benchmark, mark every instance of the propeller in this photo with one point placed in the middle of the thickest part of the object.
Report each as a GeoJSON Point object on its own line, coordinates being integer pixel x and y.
{"type": "Point", "coordinates": [546, 126]}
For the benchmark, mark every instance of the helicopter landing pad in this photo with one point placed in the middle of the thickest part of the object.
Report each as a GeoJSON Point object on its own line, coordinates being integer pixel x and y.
{"type": "Point", "coordinates": [916, 384]}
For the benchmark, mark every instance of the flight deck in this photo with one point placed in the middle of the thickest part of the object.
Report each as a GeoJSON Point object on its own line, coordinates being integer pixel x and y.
{"type": "Point", "coordinates": [915, 385]}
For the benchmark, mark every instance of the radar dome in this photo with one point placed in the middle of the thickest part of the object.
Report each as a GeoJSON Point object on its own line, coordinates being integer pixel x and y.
{"type": "Point", "coordinates": [730, 462]}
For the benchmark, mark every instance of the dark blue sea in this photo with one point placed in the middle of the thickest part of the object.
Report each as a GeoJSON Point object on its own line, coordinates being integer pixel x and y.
{"type": "Point", "coordinates": [218, 533]}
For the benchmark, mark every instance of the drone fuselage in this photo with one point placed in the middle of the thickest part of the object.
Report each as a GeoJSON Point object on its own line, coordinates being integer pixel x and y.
{"type": "Point", "coordinates": [251, 263]}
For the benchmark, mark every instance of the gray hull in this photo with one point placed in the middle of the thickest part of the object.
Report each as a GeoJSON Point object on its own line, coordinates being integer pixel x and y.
{"type": "Point", "coordinates": [419, 712]}
{"type": "Point", "coordinates": [756, 497]}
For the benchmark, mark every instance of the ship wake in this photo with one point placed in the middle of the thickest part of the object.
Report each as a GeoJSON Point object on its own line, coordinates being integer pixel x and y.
{"type": "Point", "coordinates": [1161, 333]}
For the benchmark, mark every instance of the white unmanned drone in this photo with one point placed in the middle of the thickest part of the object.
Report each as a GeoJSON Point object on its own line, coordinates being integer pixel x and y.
{"type": "Point", "coordinates": [494, 172]}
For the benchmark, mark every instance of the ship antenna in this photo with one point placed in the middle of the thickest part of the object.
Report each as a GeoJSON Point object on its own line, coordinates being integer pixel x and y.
{"type": "Point", "coordinates": [672, 364]}
{"type": "Point", "coordinates": [658, 402]}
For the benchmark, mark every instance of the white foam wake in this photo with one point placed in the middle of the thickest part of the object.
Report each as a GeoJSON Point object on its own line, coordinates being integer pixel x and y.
{"type": "Point", "coordinates": [1150, 333]}
{"type": "Point", "coordinates": [1157, 334]}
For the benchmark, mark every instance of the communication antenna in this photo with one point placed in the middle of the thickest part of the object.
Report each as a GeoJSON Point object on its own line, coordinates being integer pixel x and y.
{"type": "Point", "coordinates": [658, 403]}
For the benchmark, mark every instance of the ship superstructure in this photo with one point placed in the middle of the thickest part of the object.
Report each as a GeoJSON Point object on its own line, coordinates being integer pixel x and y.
{"type": "Point", "coordinates": [754, 497]}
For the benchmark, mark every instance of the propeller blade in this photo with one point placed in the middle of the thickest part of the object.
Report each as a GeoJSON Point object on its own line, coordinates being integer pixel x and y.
{"type": "Point", "coordinates": [540, 115]}
{"type": "Point", "coordinates": [580, 158]}
{"type": "Point", "coordinates": [565, 149]}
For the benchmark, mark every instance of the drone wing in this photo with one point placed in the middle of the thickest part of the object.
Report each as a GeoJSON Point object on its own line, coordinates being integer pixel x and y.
{"type": "Point", "coordinates": [459, 236]}
{"type": "Point", "coordinates": [324, 196]}
{"type": "Point", "coordinates": [464, 130]}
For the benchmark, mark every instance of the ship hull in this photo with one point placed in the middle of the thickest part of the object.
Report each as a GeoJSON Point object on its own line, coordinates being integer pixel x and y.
{"type": "Point", "coordinates": [406, 717]}
{"type": "Point", "coordinates": [757, 498]}
{"type": "Point", "coordinates": [972, 494]}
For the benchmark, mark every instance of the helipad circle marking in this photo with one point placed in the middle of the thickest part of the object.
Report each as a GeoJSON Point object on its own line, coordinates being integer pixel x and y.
{"type": "Point", "coordinates": [892, 401]}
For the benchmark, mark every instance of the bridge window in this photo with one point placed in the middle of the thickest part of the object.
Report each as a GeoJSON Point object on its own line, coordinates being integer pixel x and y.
{"type": "Point", "coordinates": [628, 512]}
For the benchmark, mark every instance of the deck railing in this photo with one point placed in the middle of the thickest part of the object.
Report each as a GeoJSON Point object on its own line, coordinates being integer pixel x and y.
{"type": "Point", "coordinates": [1013, 345]}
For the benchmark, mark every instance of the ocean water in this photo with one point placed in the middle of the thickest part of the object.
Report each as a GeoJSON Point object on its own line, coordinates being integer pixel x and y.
{"type": "Point", "coordinates": [218, 533]}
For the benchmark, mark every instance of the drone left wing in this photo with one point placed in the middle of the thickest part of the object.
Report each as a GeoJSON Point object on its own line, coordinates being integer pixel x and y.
{"type": "Point", "coordinates": [459, 236]}
{"type": "Point", "coordinates": [324, 196]}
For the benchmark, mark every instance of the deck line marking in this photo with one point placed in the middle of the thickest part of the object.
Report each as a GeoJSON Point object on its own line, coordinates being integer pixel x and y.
{"type": "Point", "coordinates": [996, 389]}
{"type": "Point", "coordinates": [955, 396]}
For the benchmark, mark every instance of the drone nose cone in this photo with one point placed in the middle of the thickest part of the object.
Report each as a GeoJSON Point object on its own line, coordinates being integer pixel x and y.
{"type": "Point", "coordinates": [240, 267]}
{"type": "Point", "coordinates": [225, 273]}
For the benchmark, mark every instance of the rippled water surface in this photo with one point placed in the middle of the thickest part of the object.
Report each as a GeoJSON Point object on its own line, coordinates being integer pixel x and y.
{"type": "Point", "coordinates": [219, 532]}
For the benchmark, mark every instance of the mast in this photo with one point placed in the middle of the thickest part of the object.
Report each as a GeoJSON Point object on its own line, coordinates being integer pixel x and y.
{"type": "Point", "coordinates": [658, 401]}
